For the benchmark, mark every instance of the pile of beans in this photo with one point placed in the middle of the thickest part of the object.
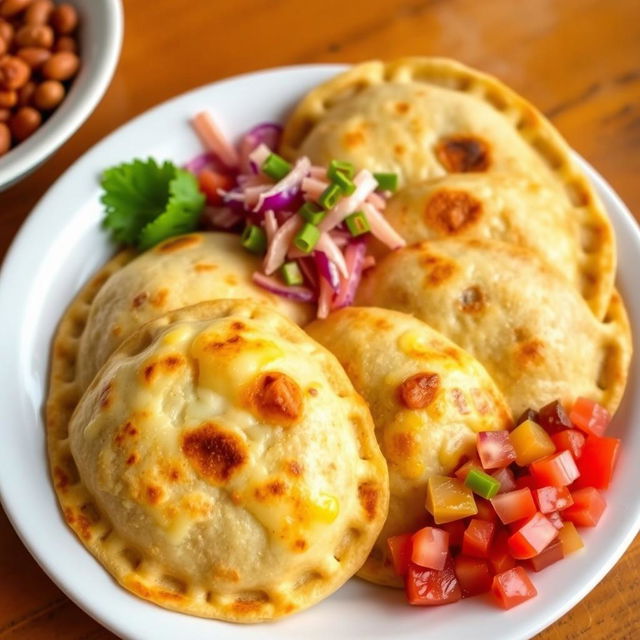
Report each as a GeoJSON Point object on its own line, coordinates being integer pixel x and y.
{"type": "Point", "coordinates": [38, 59]}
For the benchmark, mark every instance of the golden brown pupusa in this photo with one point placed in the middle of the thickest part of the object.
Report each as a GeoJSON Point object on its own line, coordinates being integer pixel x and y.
{"type": "Point", "coordinates": [230, 468]}
{"type": "Point", "coordinates": [181, 271]}
{"type": "Point", "coordinates": [428, 399]}
{"type": "Point", "coordinates": [427, 118]}
{"type": "Point", "coordinates": [531, 330]}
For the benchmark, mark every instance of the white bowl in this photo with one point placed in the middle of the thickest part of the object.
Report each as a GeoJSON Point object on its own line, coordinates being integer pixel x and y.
{"type": "Point", "coordinates": [100, 34]}
{"type": "Point", "coordinates": [57, 250]}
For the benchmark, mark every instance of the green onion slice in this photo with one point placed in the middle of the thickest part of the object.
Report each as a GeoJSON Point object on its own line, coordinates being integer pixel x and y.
{"type": "Point", "coordinates": [482, 483]}
{"type": "Point", "coordinates": [357, 223]}
{"type": "Point", "coordinates": [340, 166]}
{"type": "Point", "coordinates": [330, 196]}
{"type": "Point", "coordinates": [307, 238]}
{"type": "Point", "coordinates": [254, 239]}
{"type": "Point", "coordinates": [276, 166]}
{"type": "Point", "coordinates": [291, 273]}
{"type": "Point", "coordinates": [386, 181]}
{"type": "Point", "coordinates": [311, 213]}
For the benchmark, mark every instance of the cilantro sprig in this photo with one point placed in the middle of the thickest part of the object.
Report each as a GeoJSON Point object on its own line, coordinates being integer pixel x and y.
{"type": "Point", "coordinates": [146, 202]}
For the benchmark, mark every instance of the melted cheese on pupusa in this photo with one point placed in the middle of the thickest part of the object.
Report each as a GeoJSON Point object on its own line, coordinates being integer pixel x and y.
{"type": "Point", "coordinates": [223, 430]}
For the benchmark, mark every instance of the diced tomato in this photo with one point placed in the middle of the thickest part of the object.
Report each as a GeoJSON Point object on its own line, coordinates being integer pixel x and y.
{"type": "Point", "coordinates": [512, 587]}
{"type": "Point", "coordinates": [553, 418]}
{"type": "Point", "coordinates": [431, 587]}
{"type": "Point", "coordinates": [570, 538]}
{"type": "Point", "coordinates": [462, 471]}
{"type": "Point", "coordinates": [557, 470]}
{"type": "Point", "coordinates": [589, 417]}
{"type": "Point", "coordinates": [485, 510]}
{"type": "Point", "coordinates": [477, 538]}
{"type": "Point", "coordinates": [500, 558]}
{"type": "Point", "coordinates": [495, 449]}
{"type": "Point", "coordinates": [400, 548]}
{"type": "Point", "coordinates": [514, 505]}
{"type": "Point", "coordinates": [210, 181]}
{"type": "Point", "coordinates": [430, 548]}
{"type": "Point", "coordinates": [553, 499]}
{"type": "Point", "coordinates": [555, 519]}
{"type": "Point", "coordinates": [526, 482]}
{"type": "Point", "coordinates": [598, 460]}
{"type": "Point", "coordinates": [456, 531]}
{"type": "Point", "coordinates": [473, 575]}
{"type": "Point", "coordinates": [506, 479]}
{"type": "Point", "coordinates": [551, 554]}
{"type": "Point", "coordinates": [534, 535]}
{"type": "Point", "coordinates": [587, 508]}
{"type": "Point", "coordinates": [517, 524]}
{"type": "Point", "coordinates": [570, 440]}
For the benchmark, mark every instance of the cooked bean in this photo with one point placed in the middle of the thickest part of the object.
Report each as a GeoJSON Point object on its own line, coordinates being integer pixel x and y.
{"type": "Point", "coordinates": [48, 95]}
{"type": "Point", "coordinates": [38, 12]}
{"type": "Point", "coordinates": [5, 138]}
{"type": "Point", "coordinates": [14, 72]}
{"type": "Point", "coordinates": [10, 8]}
{"type": "Point", "coordinates": [61, 66]}
{"type": "Point", "coordinates": [4, 47]}
{"type": "Point", "coordinates": [34, 35]}
{"type": "Point", "coordinates": [34, 56]}
{"type": "Point", "coordinates": [6, 31]}
{"type": "Point", "coordinates": [5, 114]}
{"type": "Point", "coordinates": [65, 43]}
{"type": "Point", "coordinates": [24, 122]}
{"type": "Point", "coordinates": [25, 94]}
{"type": "Point", "coordinates": [64, 19]}
{"type": "Point", "coordinates": [8, 99]}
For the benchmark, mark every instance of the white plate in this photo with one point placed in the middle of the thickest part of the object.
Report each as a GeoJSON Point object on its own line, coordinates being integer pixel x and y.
{"type": "Point", "coordinates": [58, 248]}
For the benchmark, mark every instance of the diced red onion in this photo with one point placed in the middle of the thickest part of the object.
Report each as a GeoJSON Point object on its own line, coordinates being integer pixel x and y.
{"type": "Point", "coordinates": [197, 164]}
{"type": "Point", "coordinates": [313, 188]}
{"type": "Point", "coordinates": [381, 229]}
{"type": "Point", "coordinates": [354, 257]}
{"type": "Point", "coordinates": [307, 266]}
{"type": "Point", "coordinates": [495, 449]}
{"type": "Point", "coordinates": [220, 217]}
{"type": "Point", "coordinates": [299, 294]}
{"type": "Point", "coordinates": [267, 133]}
{"type": "Point", "coordinates": [289, 185]}
{"type": "Point", "coordinates": [257, 157]}
{"type": "Point", "coordinates": [319, 173]}
{"type": "Point", "coordinates": [327, 269]}
{"type": "Point", "coordinates": [325, 296]}
{"type": "Point", "coordinates": [277, 201]}
{"type": "Point", "coordinates": [328, 246]}
{"type": "Point", "coordinates": [365, 185]}
{"type": "Point", "coordinates": [277, 251]}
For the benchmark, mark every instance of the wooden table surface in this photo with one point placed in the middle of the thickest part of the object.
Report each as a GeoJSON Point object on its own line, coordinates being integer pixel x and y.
{"type": "Point", "coordinates": [578, 60]}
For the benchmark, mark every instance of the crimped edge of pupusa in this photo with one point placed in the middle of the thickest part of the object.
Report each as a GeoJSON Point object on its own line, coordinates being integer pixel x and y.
{"type": "Point", "coordinates": [137, 571]}
{"type": "Point", "coordinates": [598, 256]}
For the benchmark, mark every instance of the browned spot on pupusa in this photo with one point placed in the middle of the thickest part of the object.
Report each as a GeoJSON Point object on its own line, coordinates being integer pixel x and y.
{"type": "Point", "coordinates": [165, 365]}
{"type": "Point", "coordinates": [179, 243]}
{"type": "Point", "coordinates": [369, 495]}
{"type": "Point", "coordinates": [269, 490]}
{"type": "Point", "coordinates": [450, 212]}
{"type": "Point", "coordinates": [61, 479]}
{"type": "Point", "coordinates": [300, 545]}
{"type": "Point", "coordinates": [153, 494]}
{"type": "Point", "coordinates": [106, 396]}
{"type": "Point", "coordinates": [463, 154]}
{"type": "Point", "coordinates": [402, 446]}
{"type": "Point", "coordinates": [231, 280]}
{"type": "Point", "coordinates": [438, 270]}
{"type": "Point", "coordinates": [132, 459]}
{"type": "Point", "coordinates": [482, 401]}
{"type": "Point", "coordinates": [353, 138]}
{"type": "Point", "coordinates": [216, 453]}
{"type": "Point", "coordinates": [293, 468]}
{"type": "Point", "coordinates": [401, 108]}
{"type": "Point", "coordinates": [159, 298]}
{"type": "Point", "coordinates": [201, 267]}
{"type": "Point", "coordinates": [127, 430]}
{"type": "Point", "coordinates": [419, 390]}
{"type": "Point", "coordinates": [530, 352]}
{"type": "Point", "coordinates": [399, 149]}
{"type": "Point", "coordinates": [276, 398]}
{"type": "Point", "coordinates": [139, 300]}
{"type": "Point", "coordinates": [471, 300]}
{"type": "Point", "coordinates": [236, 325]}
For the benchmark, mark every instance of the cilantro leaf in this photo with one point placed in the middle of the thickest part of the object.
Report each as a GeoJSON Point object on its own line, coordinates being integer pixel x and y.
{"type": "Point", "coordinates": [146, 202]}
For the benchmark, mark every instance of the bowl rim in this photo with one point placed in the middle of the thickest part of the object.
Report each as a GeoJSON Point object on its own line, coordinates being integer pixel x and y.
{"type": "Point", "coordinates": [13, 166]}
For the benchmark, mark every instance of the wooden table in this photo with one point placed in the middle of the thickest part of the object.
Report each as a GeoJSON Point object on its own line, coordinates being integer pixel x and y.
{"type": "Point", "coordinates": [578, 60]}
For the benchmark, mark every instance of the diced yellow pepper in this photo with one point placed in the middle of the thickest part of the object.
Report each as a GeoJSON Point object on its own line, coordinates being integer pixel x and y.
{"type": "Point", "coordinates": [570, 538]}
{"type": "Point", "coordinates": [531, 442]}
{"type": "Point", "coordinates": [449, 499]}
